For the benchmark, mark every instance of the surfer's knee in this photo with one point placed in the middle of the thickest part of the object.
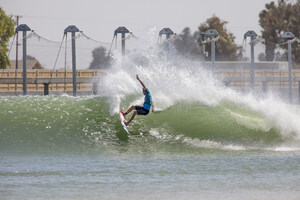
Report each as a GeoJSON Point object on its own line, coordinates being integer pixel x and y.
{"type": "Point", "coordinates": [131, 108]}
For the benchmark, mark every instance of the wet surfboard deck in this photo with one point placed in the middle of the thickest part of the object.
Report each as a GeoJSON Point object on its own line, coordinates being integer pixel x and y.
{"type": "Point", "coordinates": [122, 120]}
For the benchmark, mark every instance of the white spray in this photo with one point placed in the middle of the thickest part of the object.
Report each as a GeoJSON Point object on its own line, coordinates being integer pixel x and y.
{"type": "Point", "coordinates": [170, 79]}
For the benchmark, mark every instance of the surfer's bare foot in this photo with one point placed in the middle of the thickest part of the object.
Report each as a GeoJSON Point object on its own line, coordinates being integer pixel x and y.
{"type": "Point", "coordinates": [126, 123]}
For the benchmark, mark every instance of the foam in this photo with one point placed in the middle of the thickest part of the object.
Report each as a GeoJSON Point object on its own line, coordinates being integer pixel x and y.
{"type": "Point", "coordinates": [171, 79]}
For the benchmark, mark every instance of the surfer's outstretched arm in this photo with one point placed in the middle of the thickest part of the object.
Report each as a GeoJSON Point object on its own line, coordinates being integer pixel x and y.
{"type": "Point", "coordinates": [137, 77]}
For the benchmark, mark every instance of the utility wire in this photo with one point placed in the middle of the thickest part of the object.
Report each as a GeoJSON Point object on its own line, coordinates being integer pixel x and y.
{"type": "Point", "coordinates": [89, 38]}
{"type": "Point", "coordinates": [57, 58]}
{"type": "Point", "coordinates": [40, 37]}
{"type": "Point", "coordinates": [112, 42]}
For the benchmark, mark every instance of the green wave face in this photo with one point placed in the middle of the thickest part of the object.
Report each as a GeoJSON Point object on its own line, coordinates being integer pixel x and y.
{"type": "Point", "coordinates": [223, 123]}
{"type": "Point", "coordinates": [195, 112]}
{"type": "Point", "coordinates": [84, 125]}
{"type": "Point", "coordinates": [52, 123]}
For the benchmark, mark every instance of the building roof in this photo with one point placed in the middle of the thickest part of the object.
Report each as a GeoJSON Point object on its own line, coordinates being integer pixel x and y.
{"type": "Point", "coordinates": [30, 64]}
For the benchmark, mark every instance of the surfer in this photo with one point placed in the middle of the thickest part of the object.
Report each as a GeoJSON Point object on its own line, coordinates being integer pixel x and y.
{"type": "Point", "coordinates": [140, 110]}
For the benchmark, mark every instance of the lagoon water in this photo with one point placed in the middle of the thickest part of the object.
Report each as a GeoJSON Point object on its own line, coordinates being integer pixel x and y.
{"type": "Point", "coordinates": [205, 141]}
{"type": "Point", "coordinates": [71, 148]}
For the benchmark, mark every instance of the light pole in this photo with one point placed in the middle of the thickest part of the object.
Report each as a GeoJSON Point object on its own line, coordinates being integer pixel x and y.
{"type": "Point", "coordinates": [253, 36]}
{"type": "Point", "coordinates": [212, 33]}
{"type": "Point", "coordinates": [24, 28]}
{"type": "Point", "coordinates": [289, 36]}
{"type": "Point", "coordinates": [122, 30]}
{"type": "Point", "coordinates": [73, 29]}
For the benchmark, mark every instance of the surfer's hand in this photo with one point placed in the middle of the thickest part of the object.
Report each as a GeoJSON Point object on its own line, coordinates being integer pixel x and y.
{"type": "Point", "coordinates": [137, 77]}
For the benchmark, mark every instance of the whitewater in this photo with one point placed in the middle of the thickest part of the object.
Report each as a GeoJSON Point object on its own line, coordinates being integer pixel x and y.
{"type": "Point", "coordinates": [204, 141]}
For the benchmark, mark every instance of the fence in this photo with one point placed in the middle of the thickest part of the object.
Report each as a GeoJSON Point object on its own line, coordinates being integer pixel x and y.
{"type": "Point", "coordinates": [272, 78]}
{"type": "Point", "coordinates": [60, 80]}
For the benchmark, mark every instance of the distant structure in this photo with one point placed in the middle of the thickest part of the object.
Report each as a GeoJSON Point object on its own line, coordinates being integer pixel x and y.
{"type": "Point", "coordinates": [212, 33]}
{"type": "Point", "coordinates": [72, 29]}
{"type": "Point", "coordinates": [253, 36]}
{"type": "Point", "coordinates": [166, 31]}
{"type": "Point", "coordinates": [24, 28]}
{"type": "Point", "coordinates": [122, 30]}
{"type": "Point", "coordinates": [30, 64]}
{"type": "Point", "coordinates": [289, 37]}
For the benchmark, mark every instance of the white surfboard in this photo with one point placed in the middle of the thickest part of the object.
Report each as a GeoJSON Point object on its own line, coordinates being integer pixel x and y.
{"type": "Point", "coordinates": [122, 119]}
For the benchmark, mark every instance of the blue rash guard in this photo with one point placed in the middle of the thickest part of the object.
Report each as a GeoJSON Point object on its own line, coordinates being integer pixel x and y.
{"type": "Point", "coordinates": [148, 100]}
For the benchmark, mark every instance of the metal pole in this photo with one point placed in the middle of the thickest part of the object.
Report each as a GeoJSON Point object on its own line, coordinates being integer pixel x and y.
{"type": "Point", "coordinates": [17, 53]}
{"type": "Point", "coordinates": [123, 30]}
{"type": "Point", "coordinates": [24, 28]}
{"type": "Point", "coordinates": [252, 63]}
{"type": "Point", "coordinates": [73, 29]}
{"type": "Point", "coordinates": [253, 36]}
{"type": "Point", "coordinates": [212, 33]}
{"type": "Point", "coordinates": [168, 42]}
{"type": "Point", "coordinates": [123, 43]}
{"type": "Point", "coordinates": [74, 65]}
{"type": "Point", "coordinates": [290, 70]}
{"type": "Point", "coordinates": [289, 36]}
{"type": "Point", "coordinates": [24, 64]}
{"type": "Point", "coordinates": [166, 31]}
{"type": "Point", "coordinates": [213, 54]}
{"type": "Point", "coordinates": [17, 44]}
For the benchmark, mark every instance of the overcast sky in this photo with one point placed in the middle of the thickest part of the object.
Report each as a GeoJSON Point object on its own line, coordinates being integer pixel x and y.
{"type": "Point", "coordinates": [99, 18]}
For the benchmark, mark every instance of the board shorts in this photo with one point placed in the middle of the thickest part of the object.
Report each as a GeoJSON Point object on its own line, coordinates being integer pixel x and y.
{"type": "Point", "coordinates": [141, 111]}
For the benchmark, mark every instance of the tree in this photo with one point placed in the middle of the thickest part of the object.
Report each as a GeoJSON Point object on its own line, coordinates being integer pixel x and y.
{"type": "Point", "coordinates": [29, 57]}
{"type": "Point", "coordinates": [293, 26]}
{"type": "Point", "coordinates": [6, 31]}
{"type": "Point", "coordinates": [186, 44]}
{"type": "Point", "coordinates": [100, 59]}
{"type": "Point", "coordinates": [262, 57]}
{"type": "Point", "coordinates": [275, 20]}
{"type": "Point", "coordinates": [225, 49]}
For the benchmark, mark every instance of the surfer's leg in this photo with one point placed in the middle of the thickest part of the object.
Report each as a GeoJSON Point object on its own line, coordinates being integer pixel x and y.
{"type": "Point", "coordinates": [129, 110]}
{"type": "Point", "coordinates": [132, 117]}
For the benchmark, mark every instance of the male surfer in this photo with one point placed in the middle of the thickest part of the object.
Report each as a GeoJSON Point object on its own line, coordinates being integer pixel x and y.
{"type": "Point", "coordinates": [140, 110]}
